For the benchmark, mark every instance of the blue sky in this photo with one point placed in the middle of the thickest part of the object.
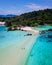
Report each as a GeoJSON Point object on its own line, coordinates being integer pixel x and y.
{"type": "Point", "coordinates": [21, 6]}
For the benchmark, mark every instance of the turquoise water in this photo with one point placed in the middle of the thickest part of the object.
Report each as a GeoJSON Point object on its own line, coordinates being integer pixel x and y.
{"type": "Point", "coordinates": [41, 53]}
{"type": "Point", "coordinates": [2, 28]}
{"type": "Point", "coordinates": [45, 27]}
{"type": "Point", "coordinates": [9, 37]}
{"type": "Point", "coordinates": [14, 46]}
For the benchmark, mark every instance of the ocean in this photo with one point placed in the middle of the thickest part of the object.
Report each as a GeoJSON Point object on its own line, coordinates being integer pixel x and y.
{"type": "Point", "coordinates": [41, 53]}
{"type": "Point", "coordinates": [16, 48]}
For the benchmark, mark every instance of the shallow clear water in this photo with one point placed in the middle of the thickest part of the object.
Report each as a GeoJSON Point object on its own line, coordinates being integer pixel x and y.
{"type": "Point", "coordinates": [41, 53]}
{"type": "Point", "coordinates": [45, 27]}
{"type": "Point", "coordinates": [14, 46]}
{"type": "Point", "coordinates": [9, 37]}
{"type": "Point", "coordinates": [2, 28]}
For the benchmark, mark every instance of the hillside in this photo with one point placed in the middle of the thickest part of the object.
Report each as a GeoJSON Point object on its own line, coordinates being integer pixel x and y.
{"type": "Point", "coordinates": [40, 17]}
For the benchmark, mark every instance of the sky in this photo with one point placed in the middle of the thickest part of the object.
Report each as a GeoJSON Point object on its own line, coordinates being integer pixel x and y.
{"type": "Point", "coordinates": [18, 7]}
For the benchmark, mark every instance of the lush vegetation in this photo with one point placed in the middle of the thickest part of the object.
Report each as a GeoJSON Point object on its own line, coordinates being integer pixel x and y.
{"type": "Point", "coordinates": [34, 18]}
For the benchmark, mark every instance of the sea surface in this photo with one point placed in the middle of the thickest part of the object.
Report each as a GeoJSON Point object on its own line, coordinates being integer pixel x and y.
{"type": "Point", "coordinates": [9, 37]}
{"type": "Point", "coordinates": [14, 46]}
{"type": "Point", "coordinates": [44, 27]}
{"type": "Point", "coordinates": [39, 54]}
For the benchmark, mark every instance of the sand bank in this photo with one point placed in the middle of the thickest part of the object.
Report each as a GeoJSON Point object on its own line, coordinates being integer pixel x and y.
{"type": "Point", "coordinates": [30, 29]}
{"type": "Point", "coordinates": [2, 23]}
{"type": "Point", "coordinates": [18, 54]}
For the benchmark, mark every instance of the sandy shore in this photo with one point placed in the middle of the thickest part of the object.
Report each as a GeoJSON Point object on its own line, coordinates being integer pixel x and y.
{"type": "Point", "coordinates": [18, 54]}
{"type": "Point", "coordinates": [2, 23]}
{"type": "Point", "coordinates": [30, 29]}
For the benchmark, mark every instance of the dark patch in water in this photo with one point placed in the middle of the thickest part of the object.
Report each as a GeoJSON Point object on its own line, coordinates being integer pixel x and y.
{"type": "Point", "coordinates": [50, 30]}
{"type": "Point", "coordinates": [31, 55]}
{"type": "Point", "coordinates": [49, 36]}
{"type": "Point", "coordinates": [29, 34]}
{"type": "Point", "coordinates": [2, 36]}
{"type": "Point", "coordinates": [23, 48]}
{"type": "Point", "coordinates": [49, 41]}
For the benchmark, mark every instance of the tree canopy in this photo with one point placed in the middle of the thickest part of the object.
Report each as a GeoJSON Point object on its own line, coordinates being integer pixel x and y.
{"type": "Point", "coordinates": [40, 17]}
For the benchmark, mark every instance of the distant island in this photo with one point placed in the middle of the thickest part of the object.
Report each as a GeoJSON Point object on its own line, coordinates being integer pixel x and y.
{"type": "Point", "coordinates": [41, 17]}
{"type": "Point", "coordinates": [7, 16]}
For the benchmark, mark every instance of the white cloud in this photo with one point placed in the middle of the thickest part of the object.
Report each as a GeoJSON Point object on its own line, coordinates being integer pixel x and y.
{"type": "Point", "coordinates": [36, 6]}
{"type": "Point", "coordinates": [19, 10]}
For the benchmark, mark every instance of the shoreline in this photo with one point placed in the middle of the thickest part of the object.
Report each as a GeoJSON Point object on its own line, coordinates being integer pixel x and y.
{"type": "Point", "coordinates": [29, 29]}
{"type": "Point", "coordinates": [22, 28]}
{"type": "Point", "coordinates": [18, 54]}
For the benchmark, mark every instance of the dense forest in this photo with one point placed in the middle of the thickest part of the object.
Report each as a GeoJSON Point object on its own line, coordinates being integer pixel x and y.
{"type": "Point", "coordinates": [34, 18]}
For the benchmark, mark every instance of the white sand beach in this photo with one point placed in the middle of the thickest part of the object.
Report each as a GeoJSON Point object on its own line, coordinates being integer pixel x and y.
{"type": "Point", "coordinates": [2, 23]}
{"type": "Point", "coordinates": [30, 29]}
{"type": "Point", "coordinates": [17, 54]}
